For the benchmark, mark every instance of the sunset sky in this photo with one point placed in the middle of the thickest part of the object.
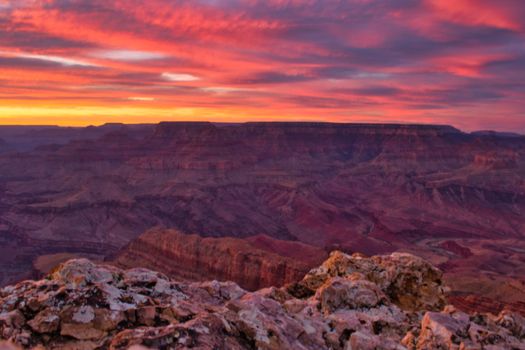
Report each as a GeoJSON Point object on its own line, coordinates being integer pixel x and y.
{"type": "Point", "coordinates": [80, 62]}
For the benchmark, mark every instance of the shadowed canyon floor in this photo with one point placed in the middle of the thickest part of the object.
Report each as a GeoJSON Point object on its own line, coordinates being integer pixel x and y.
{"type": "Point", "coordinates": [454, 198]}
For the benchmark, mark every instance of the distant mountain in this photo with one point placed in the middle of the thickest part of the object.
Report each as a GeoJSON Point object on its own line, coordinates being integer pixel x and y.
{"type": "Point", "coordinates": [496, 133]}
{"type": "Point", "coordinates": [27, 138]}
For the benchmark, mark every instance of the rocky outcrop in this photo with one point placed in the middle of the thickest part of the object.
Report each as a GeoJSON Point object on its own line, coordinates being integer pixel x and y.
{"type": "Point", "coordinates": [350, 302]}
{"type": "Point", "coordinates": [253, 263]}
{"type": "Point", "coordinates": [409, 281]}
{"type": "Point", "coordinates": [4, 345]}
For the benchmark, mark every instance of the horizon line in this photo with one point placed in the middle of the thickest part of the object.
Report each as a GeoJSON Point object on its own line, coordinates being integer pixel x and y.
{"type": "Point", "coordinates": [306, 121]}
{"type": "Point", "coordinates": [95, 125]}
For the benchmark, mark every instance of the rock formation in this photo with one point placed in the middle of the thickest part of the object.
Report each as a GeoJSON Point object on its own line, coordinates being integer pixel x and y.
{"type": "Point", "coordinates": [253, 263]}
{"type": "Point", "coordinates": [350, 302]}
{"type": "Point", "coordinates": [474, 303]}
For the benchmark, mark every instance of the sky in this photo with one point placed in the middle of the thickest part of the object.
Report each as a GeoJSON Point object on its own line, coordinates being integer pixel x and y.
{"type": "Point", "coordinates": [82, 62]}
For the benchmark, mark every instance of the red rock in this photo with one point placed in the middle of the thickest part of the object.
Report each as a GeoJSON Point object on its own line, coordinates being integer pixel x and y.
{"type": "Point", "coordinates": [8, 346]}
{"type": "Point", "coordinates": [339, 293]}
{"type": "Point", "coordinates": [367, 341]}
{"type": "Point", "coordinates": [456, 249]}
{"type": "Point", "coordinates": [407, 280]}
{"type": "Point", "coordinates": [476, 303]}
{"type": "Point", "coordinates": [439, 330]}
{"type": "Point", "coordinates": [46, 321]}
{"type": "Point", "coordinates": [239, 260]}
{"type": "Point", "coordinates": [146, 315]}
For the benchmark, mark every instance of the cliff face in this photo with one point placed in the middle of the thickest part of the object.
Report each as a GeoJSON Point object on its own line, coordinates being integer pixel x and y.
{"type": "Point", "coordinates": [473, 303]}
{"type": "Point", "coordinates": [350, 302]}
{"type": "Point", "coordinates": [253, 263]}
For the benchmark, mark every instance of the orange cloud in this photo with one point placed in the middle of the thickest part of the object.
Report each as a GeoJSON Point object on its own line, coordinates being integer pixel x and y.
{"type": "Point", "coordinates": [505, 14]}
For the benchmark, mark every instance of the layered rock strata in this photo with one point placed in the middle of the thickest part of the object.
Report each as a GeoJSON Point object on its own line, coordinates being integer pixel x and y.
{"type": "Point", "coordinates": [253, 263]}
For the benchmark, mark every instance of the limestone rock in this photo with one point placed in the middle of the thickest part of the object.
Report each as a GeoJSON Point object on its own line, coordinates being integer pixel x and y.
{"type": "Point", "coordinates": [46, 321]}
{"type": "Point", "coordinates": [339, 293]}
{"type": "Point", "coordinates": [350, 302]}
{"type": "Point", "coordinates": [8, 346]}
{"type": "Point", "coordinates": [409, 281]}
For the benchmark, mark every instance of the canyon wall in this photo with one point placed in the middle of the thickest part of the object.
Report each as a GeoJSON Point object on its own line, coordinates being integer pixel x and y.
{"type": "Point", "coordinates": [253, 263]}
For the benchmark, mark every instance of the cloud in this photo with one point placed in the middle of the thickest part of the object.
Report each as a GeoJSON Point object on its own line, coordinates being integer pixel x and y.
{"type": "Point", "coordinates": [22, 38]}
{"type": "Point", "coordinates": [223, 89]}
{"type": "Point", "coordinates": [128, 55]}
{"type": "Point", "coordinates": [25, 63]}
{"type": "Point", "coordinates": [506, 14]}
{"type": "Point", "coordinates": [375, 91]}
{"type": "Point", "coordinates": [142, 99]}
{"type": "Point", "coordinates": [272, 78]}
{"type": "Point", "coordinates": [64, 61]}
{"type": "Point", "coordinates": [179, 77]}
{"type": "Point", "coordinates": [60, 60]}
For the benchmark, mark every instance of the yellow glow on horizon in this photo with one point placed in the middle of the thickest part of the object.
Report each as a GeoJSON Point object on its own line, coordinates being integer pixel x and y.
{"type": "Point", "coordinates": [86, 115]}
{"type": "Point", "coordinates": [71, 113]}
{"type": "Point", "coordinates": [97, 115]}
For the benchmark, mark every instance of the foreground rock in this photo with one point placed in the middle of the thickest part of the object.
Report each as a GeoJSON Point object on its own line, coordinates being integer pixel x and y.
{"type": "Point", "coordinates": [350, 302]}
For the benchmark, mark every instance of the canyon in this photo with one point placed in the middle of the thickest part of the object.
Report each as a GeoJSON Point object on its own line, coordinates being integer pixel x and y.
{"type": "Point", "coordinates": [267, 200]}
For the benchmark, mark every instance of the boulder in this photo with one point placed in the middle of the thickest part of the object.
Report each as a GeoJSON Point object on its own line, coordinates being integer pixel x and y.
{"type": "Point", "coordinates": [46, 321]}
{"type": "Point", "coordinates": [8, 346]}
{"type": "Point", "coordinates": [409, 281]}
{"type": "Point", "coordinates": [339, 293]}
